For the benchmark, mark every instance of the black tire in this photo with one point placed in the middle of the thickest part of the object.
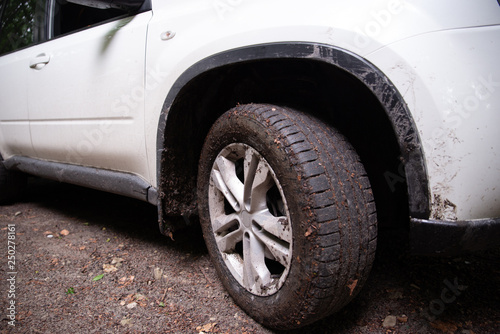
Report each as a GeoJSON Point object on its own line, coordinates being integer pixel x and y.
{"type": "Point", "coordinates": [327, 200]}
{"type": "Point", "coordinates": [12, 184]}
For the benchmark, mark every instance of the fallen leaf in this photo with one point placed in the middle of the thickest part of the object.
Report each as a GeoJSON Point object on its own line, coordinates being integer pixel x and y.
{"type": "Point", "coordinates": [109, 268]}
{"type": "Point", "coordinates": [139, 297]}
{"type": "Point", "coordinates": [64, 232]}
{"type": "Point", "coordinates": [126, 322]}
{"type": "Point", "coordinates": [124, 281]}
{"type": "Point", "coordinates": [352, 286]}
{"type": "Point", "coordinates": [445, 327]}
{"type": "Point", "coordinates": [98, 277]}
{"type": "Point", "coordinates": [208, 328]}
{"type": "Point", "coordinates": [403, 318]}
{"type": "Point", "coordinates": [157, 273]}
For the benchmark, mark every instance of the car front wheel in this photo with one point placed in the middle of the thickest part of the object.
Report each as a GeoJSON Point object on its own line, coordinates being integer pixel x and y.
{"type": "Point", "coordinates": [287, 214]}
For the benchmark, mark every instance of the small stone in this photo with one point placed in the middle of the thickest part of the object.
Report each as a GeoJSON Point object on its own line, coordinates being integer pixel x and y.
{"type": "Point", "coordinates": [131, 305]}
{"type": "Point", "coordinates": [389, 321]}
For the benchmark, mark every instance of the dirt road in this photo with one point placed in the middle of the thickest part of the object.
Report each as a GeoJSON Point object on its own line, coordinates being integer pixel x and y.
{"type": "Point", "coordinates": [91, 262]}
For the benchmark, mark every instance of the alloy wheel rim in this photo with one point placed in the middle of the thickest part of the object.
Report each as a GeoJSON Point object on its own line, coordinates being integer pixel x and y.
{"type": "Point", "coordinates": [250, 219]}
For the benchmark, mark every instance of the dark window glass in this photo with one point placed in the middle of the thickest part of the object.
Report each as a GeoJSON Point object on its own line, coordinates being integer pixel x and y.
{"type": "Point", "coordinates": [70, 17]}
{"type": "Point", "coordinates": [17, 25]}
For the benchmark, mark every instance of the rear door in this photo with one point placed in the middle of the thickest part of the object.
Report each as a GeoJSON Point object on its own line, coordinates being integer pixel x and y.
{"type": "Point", "coordinates": [86, 88]}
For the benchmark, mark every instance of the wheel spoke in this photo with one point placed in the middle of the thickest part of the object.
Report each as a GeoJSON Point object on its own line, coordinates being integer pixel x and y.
{"type": "Point", "coordinates": [275, 234]}
{"type": "Point", "coordinates": [255, 272]}
{"type": "Point", "coordinates": [227, 182]}
{"type": "Point", "coordinates": [258, 180]}
{"type": "Point", "coordinates": [278, 227]}
{"type": "Point", "coordinates": [251, 163]}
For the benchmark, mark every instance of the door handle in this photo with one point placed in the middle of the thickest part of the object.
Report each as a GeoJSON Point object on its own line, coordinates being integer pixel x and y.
{"type": "Point", "coordinates": [39, 61]}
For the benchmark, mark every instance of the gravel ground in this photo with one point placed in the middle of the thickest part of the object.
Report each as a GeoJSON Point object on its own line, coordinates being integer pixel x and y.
{"type": "Point", "coordinates": [91, 262]}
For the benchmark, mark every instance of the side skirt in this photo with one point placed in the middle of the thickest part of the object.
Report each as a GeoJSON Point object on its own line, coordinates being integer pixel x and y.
{"type": "Point", "coordinates": [120, 183]}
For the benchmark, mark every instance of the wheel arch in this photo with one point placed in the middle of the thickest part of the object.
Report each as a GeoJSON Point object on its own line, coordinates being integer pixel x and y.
{"type": "Point", "coordinates": [217, 83]}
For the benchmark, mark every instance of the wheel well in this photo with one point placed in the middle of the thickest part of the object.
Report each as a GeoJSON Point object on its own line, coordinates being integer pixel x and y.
{"type": "Point", "coordinates": [308, 85]}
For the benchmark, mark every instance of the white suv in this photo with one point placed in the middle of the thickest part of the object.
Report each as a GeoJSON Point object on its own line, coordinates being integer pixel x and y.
{"type": "Point", "coordinates": [293, 129]}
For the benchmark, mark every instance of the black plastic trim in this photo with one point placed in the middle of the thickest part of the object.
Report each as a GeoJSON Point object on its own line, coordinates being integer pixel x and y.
{"type": "Point", "coordinates": [446, 238]}
{"type": "Point", "coordinates": [373, 78]}
{"type": "Point", "coordinates": [115, 182]}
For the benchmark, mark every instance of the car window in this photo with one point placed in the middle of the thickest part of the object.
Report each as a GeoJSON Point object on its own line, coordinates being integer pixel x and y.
{"type": "Point", "coordinates": [69, 17]}
{"type": "Point", "coordinates": [24, 23]}
{"type": "Point", "coordinates": [21, 24]}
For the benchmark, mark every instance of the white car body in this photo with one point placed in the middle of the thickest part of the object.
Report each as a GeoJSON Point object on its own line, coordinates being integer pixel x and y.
{"type": "Point", "coordinates": [124, 103]}
{"type": "Point", "coordinates": [412, 42]}
{"type": "Point", "coordinates": [99, 102]}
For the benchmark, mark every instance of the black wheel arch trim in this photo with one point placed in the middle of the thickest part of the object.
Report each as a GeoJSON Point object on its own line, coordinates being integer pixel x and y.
{"type": "Point", "coordinates": [451, 238]}
{"type": "Point", "coordinates": [387, 94]}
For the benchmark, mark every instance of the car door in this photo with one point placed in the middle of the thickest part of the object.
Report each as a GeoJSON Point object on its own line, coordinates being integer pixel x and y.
{"type": "Point", "coordinates": [19, 31]}
{"type": "Point", "coordinates": [86, 88]}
